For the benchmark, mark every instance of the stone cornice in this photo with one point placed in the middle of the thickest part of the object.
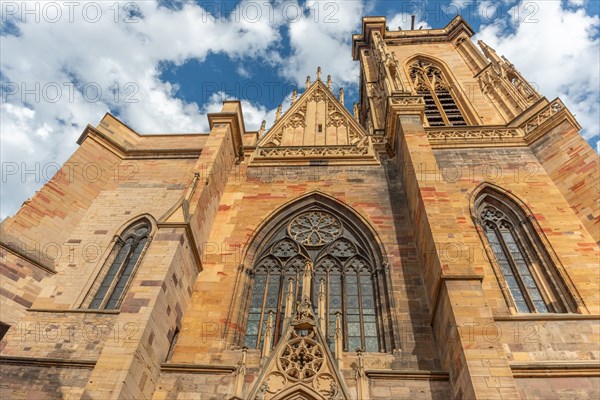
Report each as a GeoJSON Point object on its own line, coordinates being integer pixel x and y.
{"type": "Point", "coordinates": [197, 368]}
{"type": "Point", "coordinates": [359, 41]}
{"type": "Point", "coordinates": [7, 246]}
{"type": "Point", "coordinates": [546, 119]}
{"type": "Point", "coordinates": [548, 317]}
{"type": "Point", "coordinates": [446, 34]}
{"type": "Point", "coordinates": [555, 369]}
{"type": "Point", "coordinates": [74, 311]}
{"type": "Point", "coordinates": [408, 375]}
{"type": "Point", "coordinates": [46, 362]}
{"type": "Point", "coordinates": [131, 153]}
{"type": "Point", "coordinates": [475, 136]}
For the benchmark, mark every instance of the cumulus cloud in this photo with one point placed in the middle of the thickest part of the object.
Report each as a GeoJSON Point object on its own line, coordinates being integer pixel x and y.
{"type": "Point", "coordinates": [557, 49]}
{"type": "Point", "coordinates": [321, 36]}
{"type": "Point", "coordinates": [61, 73]}
{"type": "Point", "coordinates": [63, 66]}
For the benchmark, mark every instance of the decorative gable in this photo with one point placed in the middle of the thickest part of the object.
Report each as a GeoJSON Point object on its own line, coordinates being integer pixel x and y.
{"type": "Point", "coordinates": [301, 365]}
{"type": "Point", "coordinates": [316, 127]}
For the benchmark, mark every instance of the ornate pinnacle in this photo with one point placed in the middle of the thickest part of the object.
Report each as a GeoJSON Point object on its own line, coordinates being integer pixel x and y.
{"type": "Point", "coordinates": [307, 82]}
{"type": "Point", "coordinates": [262, 129]}
{"type": "Point", "coordinates": [329, 82]}
{"type": "Point", "coordinates": [489, 52]}
{"type": "Point", "coordinates": [294, 96]}
{"type": "Point", "coordinates": [342, 95]}
{"type": "Point", "coordinates": [278, 113]}
{"type": "Point", "coordinates": [318, 73]}
{"type": "Point", "coordinates": [356, 111]}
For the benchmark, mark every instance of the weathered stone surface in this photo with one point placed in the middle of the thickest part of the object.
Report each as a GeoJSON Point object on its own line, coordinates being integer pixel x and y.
{"type": "Point", "coordinates": [211, 200]}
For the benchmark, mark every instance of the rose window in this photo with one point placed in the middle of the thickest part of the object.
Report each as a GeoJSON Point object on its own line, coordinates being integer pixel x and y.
{"type": "Point", "coordinates": [315, 228]}
{"type": "Point", "coordinates": [302, 358]}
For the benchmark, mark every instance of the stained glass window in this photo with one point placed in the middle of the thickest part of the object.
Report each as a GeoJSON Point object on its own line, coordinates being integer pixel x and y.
{"type": "Point", "coordinates": [128, 249]}
{"type": "Point", "coordinates": [514, 264]}
{"type": "Point", "coordinates": [338, 260]}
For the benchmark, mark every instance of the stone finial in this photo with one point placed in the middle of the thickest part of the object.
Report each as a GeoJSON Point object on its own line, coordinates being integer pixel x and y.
{"type": "Point", "coordinates": [278, 113]}
{"type": "Point", "coordinates": [356, 111]}
{"type": "Point", "coordinates": [294, 96]}
{"type": "Point", "coordinates": [262, 129]}
{"type": "Point", "coordinates": [329, 82]}
{"type": "Point", "coordinates": [307, 82]}
{"type": "Point", "coordinates": [318, 73]}
{"type": "Point", "coordinates": [342, 95]}
{"type": "Point", "coordinates": [489, 52]}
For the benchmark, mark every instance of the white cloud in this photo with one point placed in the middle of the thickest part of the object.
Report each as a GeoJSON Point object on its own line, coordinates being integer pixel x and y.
{"type": "Point", "coordinates": [557, 49]}
{"type": "Point", "coordinates": [117, 60]}
{"type": "Point", "coordinates": [403, 20]}
{"type": "Point", "coordinates": [322, 37]}
{"type": "Point", "coordinates": [456, 6]}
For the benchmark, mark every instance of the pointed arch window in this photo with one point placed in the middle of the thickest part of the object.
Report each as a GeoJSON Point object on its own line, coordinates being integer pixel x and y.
{"type": "Point", "coordinates": [440, 106]}
{"type": "Point", "coordinates": [531, 281]}
{"type": "Point", "coordinates": [124, 259]}
{"type": "Point", "coordinates": [343, 273]}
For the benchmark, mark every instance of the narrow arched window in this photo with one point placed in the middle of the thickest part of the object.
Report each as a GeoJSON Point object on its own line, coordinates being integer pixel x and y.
{"type": "Point", "coordinates": [123, 262]}
{"type": "Point", "coordinates": [343, 275]}
{"type": "Point", "coordinates": [531, 281]}
{"type": "Point", "coordinates": [440, 106]}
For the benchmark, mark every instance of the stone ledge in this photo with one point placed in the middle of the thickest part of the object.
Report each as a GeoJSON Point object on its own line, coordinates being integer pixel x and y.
{"type": "Point", "coordinates": [408, 374]}
{"type": "Point", "coordinates": [197, 368]}
{"type": "Point", "coordinates": [46, 362]}
{"type": "Point", "coordinates": [555, 369]}
{"type": "Point", "coordinates": [547, 317]}
{"type": "Point", "coordinates": [75, 310]}
{"type": "Point", "coordinates": [29, 258]}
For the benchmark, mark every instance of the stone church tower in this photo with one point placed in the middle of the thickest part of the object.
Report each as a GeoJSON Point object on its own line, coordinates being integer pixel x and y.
{"type": "Point", "coordinates": [439, 242]}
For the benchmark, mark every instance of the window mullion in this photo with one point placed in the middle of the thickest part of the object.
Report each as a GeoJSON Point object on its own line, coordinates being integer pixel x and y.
{"type": "Point", "coordinates": [546, 280]}
{"type": "Point", "coordinates": [344, 311]}
{"type": "Point", "coordinates": [327, 305]}
{"type": "Point", "coordinates": [541, 287]}
{"type": "Point", "coordinates": [441, 110]}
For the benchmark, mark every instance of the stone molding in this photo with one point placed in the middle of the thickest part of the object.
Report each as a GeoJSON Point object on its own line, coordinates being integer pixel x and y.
{"type": "Point", "coordinates": [408, 375]}
{"type": "Point", "coordinates": [555, 369]}
{"type": "Point", "coordinates": [475, 136]}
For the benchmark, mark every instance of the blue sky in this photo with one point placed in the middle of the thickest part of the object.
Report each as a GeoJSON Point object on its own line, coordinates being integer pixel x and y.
{"type": "Point", "coordinates": [162, 66]}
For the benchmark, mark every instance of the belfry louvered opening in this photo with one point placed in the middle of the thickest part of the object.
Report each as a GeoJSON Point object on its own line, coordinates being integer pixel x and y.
{"type": "Point", "coordinates": [441, 108]}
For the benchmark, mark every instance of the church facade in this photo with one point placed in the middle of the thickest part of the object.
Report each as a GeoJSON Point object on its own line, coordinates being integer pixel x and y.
{"type": "Point", "coordinates": [439, 241]}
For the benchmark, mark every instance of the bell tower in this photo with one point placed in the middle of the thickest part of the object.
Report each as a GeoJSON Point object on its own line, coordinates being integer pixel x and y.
{"type": "Point", "coordinates": [459, 120]}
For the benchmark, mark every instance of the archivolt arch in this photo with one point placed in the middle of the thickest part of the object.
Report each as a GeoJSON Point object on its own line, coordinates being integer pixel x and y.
{"type": "Point", "coordinates": [325, 201]}
{"type": "Point", "coordinates": [348, 266]}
